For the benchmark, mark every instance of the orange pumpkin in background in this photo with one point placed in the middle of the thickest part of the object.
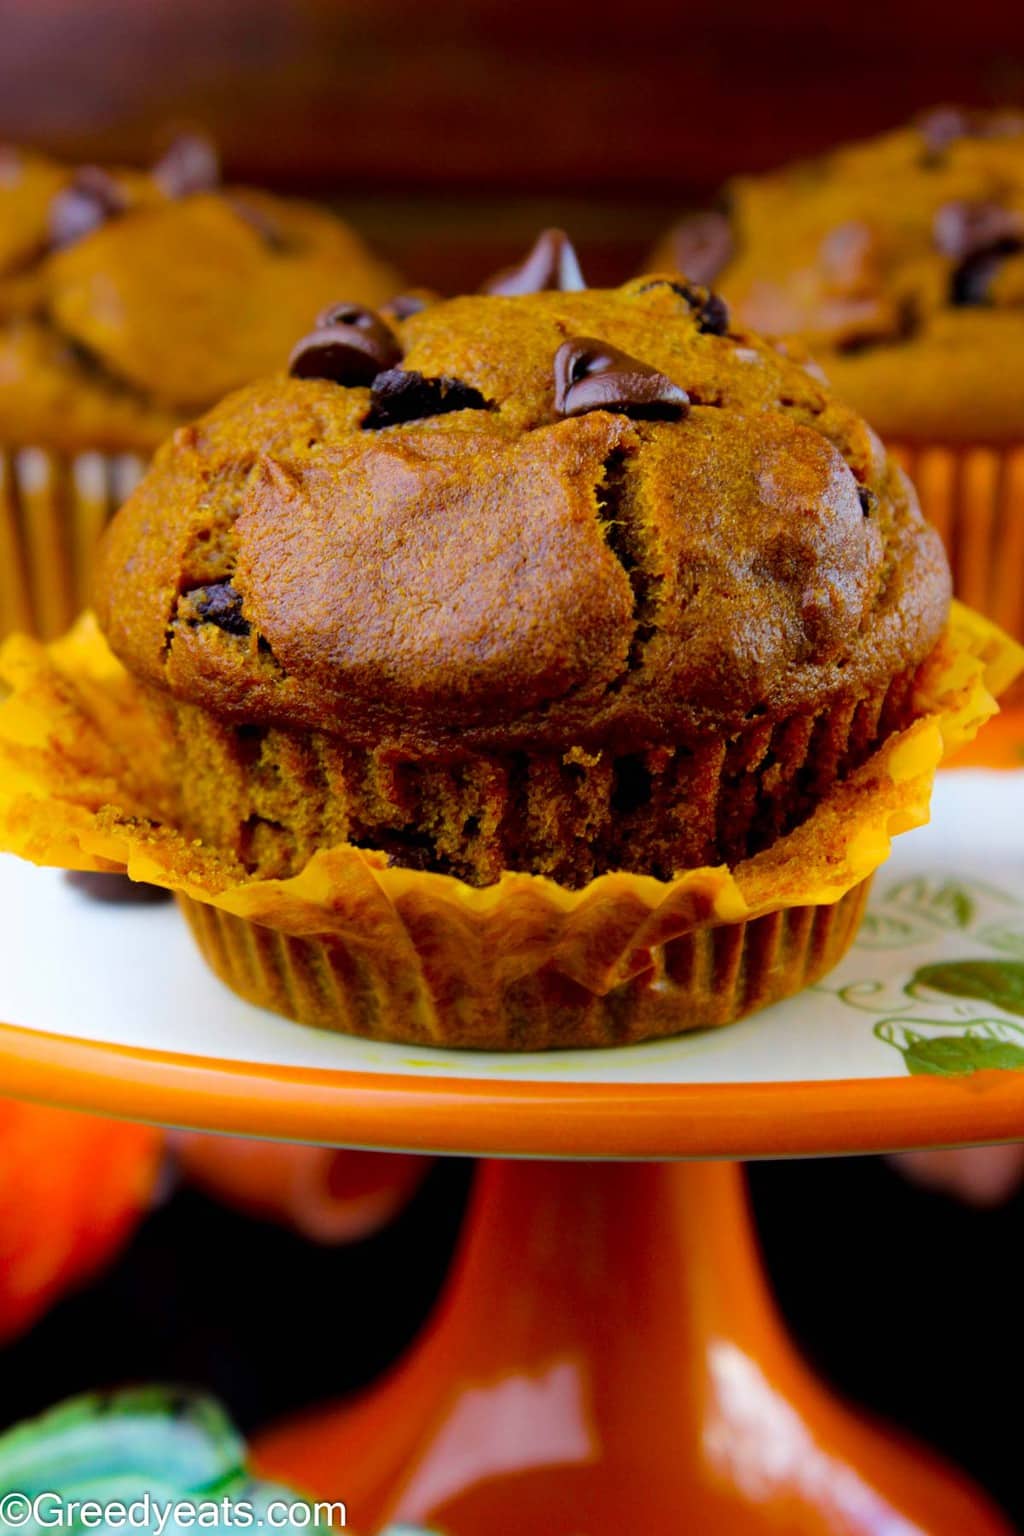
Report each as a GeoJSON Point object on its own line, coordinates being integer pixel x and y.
{"type": "Point", "coordinates": [72, 1190]}
{"type": "Point", "coordinates": [74, 1187]}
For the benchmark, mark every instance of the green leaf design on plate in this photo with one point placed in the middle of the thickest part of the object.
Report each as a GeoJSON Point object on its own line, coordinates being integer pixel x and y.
{"type": "Point", "coordinates": [988, 1044]}
{"type": "Point", "coordinates": [948, 905]}
{"type": "Point", "coordinates": [1004, 937]}
{"type": "Point", "coordinates": [885, 930]}
{"type": "Point", "coordinates": [957, 1055]}
{"type": "Point", "coordinates": [999, 983]}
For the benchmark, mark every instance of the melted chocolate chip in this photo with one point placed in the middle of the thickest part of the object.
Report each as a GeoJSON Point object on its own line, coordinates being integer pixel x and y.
{"type": "Point", "coordinates": [712, 315]}
{"type": "Point", "coordinates": [977, 236]}
{"type": "Point", "coordinates": [399, 396]}
{"type": "Point", "coordinates": [10, 165]}
{"type": "Point", "coordinates": [219, 604]}
{"type": "Point", "coordinates": [92, 198]}
{"type": "Point", "coordinates": [550, 266]}
{"type": "Point", "coordinates": [963, 229]}
{"type": "Point", "coordinates": [940, 128]}
{"type": "Point", "coordinates": [191, 164]}
{"type": "Point", "coordinates": [702, 246]}
{"type": "Point", "coordinates": [971, 284]}
{"type": "Point", "coordinates": [710, 311]}
{"type": "Point", "coordinates": [351, 345]}
{"type": "Point", "coordinates": [868, 499]}
{"type": "Point", "coordinates": [403, 305]}
{"type": "Point", "coordinates": [115, 889]}
{"type": "Point", "coordinates": [591, 376]}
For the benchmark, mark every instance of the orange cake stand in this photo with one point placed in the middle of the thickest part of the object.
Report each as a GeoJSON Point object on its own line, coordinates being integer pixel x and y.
{"type": "Point", "coordinates": [606, 1358]}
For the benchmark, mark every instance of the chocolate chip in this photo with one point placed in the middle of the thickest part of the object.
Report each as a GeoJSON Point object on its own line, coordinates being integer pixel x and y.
{"type": "Point", "coordinates": [259, 221]}
{"type": "Point", "coordinates": [10, 165]}
{"type": "Point", "coordinates": [549, 266]}
{"type": "Point", "coordinates": [221, 605]}
{"type": "Point", "coordinates": [713, 315]}
{"type": "Point", "coordinates": [592, 376]}
{"type": "Point", "coordinates": [399, 396]}
{"type": "Point", "coordinates": [940, 128]}
{"type": "Point", "coordinates": [710, 311]}
{"type": "Point", "coordinates": [977, 236]}
{"type": "Point", "coordinates": [191, 164]}
{"type": "Point", "coordinates": [971, 284]}
{"type": "Point", "coordinates": [868, 499]}
{"type": "Point", "coordinates": [115, 889]}
{"type": "Point", "coordinates": [355, 316]}
{"type": "Point", "coordinates": [702, 246]}
{"type": "Point", "coordinates": [963, 229]}
{"type": "Point", "coordinates": [351, 345]}
{"type": "Point", "coordinates": [92, 198]}
{"type": "Point", "coordinates": [403, 305]}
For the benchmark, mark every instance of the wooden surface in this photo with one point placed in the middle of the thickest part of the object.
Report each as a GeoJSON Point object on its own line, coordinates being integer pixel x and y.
{"type": "Point", "coordinates": [621, 114]}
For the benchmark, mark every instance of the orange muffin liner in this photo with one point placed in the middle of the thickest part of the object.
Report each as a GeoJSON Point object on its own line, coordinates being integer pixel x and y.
{"type": "Point", "coordinates": [53, 508]}
{"type": "Point", "coordinates": [974, 494]}
{"type": "Point", "coordinates": [353, 944]}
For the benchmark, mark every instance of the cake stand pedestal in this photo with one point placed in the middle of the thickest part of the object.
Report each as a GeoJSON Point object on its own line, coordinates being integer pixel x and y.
{"type": "Point", "coordinates": [606, 1358]}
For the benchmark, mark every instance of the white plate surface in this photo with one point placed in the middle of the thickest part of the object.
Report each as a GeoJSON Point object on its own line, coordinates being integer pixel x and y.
{"type": "Point", "coordinates": [952, 892]}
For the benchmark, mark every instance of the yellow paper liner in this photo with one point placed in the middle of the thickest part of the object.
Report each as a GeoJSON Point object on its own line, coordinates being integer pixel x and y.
{"type": "Point", "coordinates": [974, 494]}
{"type": "Point", "coordinates": [53, 508]}
{"type": "Point", "coordinates": [351, 943]}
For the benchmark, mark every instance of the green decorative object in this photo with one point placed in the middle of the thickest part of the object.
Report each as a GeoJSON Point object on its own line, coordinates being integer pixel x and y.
{"type": "Point", "coordinates": [150, 1448]}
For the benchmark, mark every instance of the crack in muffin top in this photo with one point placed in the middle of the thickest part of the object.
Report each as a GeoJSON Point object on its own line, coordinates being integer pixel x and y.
{"type": "Point", "coordinates": [899, 260]}
{"type": "Point", "coordinates": [681, 532]}
{"type": "Point", "coordinates": [129, 301]}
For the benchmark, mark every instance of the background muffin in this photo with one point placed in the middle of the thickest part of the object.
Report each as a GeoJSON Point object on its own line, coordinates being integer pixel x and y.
{"type": "Point", "coordinates": [900, 262]}
{"type": "Point", "coordinates": [128, 302]}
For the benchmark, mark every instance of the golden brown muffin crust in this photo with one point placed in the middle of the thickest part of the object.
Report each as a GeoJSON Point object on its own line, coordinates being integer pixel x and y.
{"type": "Point", "coordinates": [113, 339]}
{"type": "Point", "coordinates": [498, 577]}
{"type": "Point", "coordinates": [901, 263]}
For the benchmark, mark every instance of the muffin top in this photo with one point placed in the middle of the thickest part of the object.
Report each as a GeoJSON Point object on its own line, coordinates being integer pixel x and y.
{"type": "Point", "coordinates": [129, 302]}
{"type": "Point", "coordinates": [543, 519]}
{"type": "Point", "coordinates": [900, 261]}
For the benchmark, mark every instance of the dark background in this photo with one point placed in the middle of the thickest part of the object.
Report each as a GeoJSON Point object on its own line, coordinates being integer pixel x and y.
{"type": "Point", "coordinates": [450, 133]}
{"type": "Point", "coordinates": [906, 1302]}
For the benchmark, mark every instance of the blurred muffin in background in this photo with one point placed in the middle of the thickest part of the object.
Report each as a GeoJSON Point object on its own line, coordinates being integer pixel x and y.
{"type": "Point", "coordinates": [128, 302]}
{"type": "Point", "coordinates": [900, 263]}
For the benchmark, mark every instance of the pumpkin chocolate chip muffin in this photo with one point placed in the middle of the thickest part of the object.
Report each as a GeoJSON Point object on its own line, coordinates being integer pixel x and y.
{"type": "Point", "coordinates": [568, 582]}
{"type": "Point", "coordinates": [549, 667]}
{"type": "Point", "coordinates": [128, 303]}
{"type": "Point", "coordinates": [900, 262]}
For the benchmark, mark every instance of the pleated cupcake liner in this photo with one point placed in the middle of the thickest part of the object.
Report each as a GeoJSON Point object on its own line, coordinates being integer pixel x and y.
{"type": "Point", "coordinates": [355, 944]}
{"type": "Point", "coordinates": [974, 495]}
{"type": "Point", "coordinates": [53, 509]}
{"type": "Point", "coordinates": [703, 978]}
{"type": "Point", "coordinates": [546, 811]}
